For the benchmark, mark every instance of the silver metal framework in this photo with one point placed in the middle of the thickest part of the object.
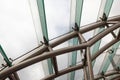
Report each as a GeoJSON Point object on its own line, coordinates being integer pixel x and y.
{"type": "Point", "coordinates": [41, 53]}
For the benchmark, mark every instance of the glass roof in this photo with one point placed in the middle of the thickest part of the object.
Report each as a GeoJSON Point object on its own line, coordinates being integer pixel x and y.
{"type": "Point", "coordinates": [26, 24]}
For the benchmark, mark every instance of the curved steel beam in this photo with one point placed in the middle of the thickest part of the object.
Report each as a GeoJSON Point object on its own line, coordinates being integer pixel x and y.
{"type": "Point", "coordinates": [67, 70]}
{"type": "Point", "coordinates": [64, 38]}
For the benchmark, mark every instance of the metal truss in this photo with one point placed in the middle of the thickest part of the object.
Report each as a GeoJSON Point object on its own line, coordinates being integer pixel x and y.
{"type": "Point", "coordinates": [45, 51]}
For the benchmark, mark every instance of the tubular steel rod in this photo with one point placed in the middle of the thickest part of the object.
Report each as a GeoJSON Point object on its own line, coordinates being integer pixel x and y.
{"type": "Point", "coordinates": [112, 72]}
{"type": "Point", "coordinates": [16, 76]}
{"type": "Point", "coordinates": [117, 77]}
{"type": "Point", "coordinates": [11, 77]}
{"type": "Point", "coordinates": [102, 34]}
{"type": "Point", "coordinates": [89, 62]}
{"type": "Point", "coordinates": [43, 48]}
{"type": "Point", "coordinates": [112, 22]}
{"type": "Point", "coordinates": [81, 40]}
{"type": "Point", "coordinates": [54, 61]}
{"type": "Point", "coordinates": [111, 32]}
{"type": "Point", "coordinates": [36, 59]}
{"type": "Point", "coordinates": [104, 48]}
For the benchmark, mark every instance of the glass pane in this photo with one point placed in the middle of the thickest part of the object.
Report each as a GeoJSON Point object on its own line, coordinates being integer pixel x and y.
{"type": "Point", "coordinates": [106, 40]}
{"type": "Point", "coordinates": [36, 19]}
{"type": "Point", "coordinates": [17, 33]}
{"type": "Point", "coordinates": [98, 63]}
{"type": "Point", "coordinates": [57, 15]}
{"type": "Point", "coordinates": [90, 11]}
{"type": "Point", "coordinates": [33, 72]}
{"type": "Point", "coordinates": [62, 64]}
{"type": "Point", "coordinates": [115, 10]}
{"type": "Point", "coordinates": [79, 75]}
{"type": "Point", "coordinates": [63, 77]}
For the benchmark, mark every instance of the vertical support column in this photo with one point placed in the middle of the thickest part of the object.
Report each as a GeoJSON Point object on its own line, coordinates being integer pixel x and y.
{"type": "Point", "coordinates": [54, 61]}
{"type": "Point", "coordinates": [89, 62]}
{"type": "Point", "coordinates": [81, 40]}
{"type": "Point", "coordinates": [11, 77]}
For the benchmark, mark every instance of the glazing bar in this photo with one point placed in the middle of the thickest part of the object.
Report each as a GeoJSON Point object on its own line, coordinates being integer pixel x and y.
{"type": "Point", "coordinates": [41, 9]}
{"type": "Point", "coordinates": [107, 8]}
{"type": "Point", "coordinates": [78, 12]}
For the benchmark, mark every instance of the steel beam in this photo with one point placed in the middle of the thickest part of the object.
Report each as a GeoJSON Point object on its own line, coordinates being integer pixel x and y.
{"type": "Point", "coordinates": [54, 61]}
{"type": "Point", "coordinates": [60, 51]}
{"type": "Point", "coordinates": [109, 73]}
{"type": "Point", "coordinates": [117, 77]}
{"type": "Point", "coordinates": [81, 40]}
{"type": "Point", "coordinates": [89, 62]}
{"type": "Point", "coordinates": [64, 38]}
{"type": "Point", "coordinates": [25, 63]}
{"type": "Point", "coordinates": [41, 49]}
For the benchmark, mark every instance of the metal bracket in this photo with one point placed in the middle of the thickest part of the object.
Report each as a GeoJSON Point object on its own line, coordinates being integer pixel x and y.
{"type": "Point", "coordinates": [104, 17]}
{"type": "Point", "coordinates": [46, 42]}
{"type": "Point", "coordinates": [111, 51]}
{"type": "Point", "coordinates": [84, 60]}
{"type": "Point", "coordinates": [102, 73]}
{"type": "Point", "coordinates": [118, 36]}
{"type": "Point", "coordinates": [76, 28]}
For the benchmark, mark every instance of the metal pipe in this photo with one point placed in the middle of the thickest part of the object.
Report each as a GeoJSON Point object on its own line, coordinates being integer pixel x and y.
{"type": "Point", "coordinates": [102, 34]}
{"type": "Point", "coordinates": [116, 77]}
{"type": "Point", "coordinates": [16, 76]}
{"type": "Point", "coordinates": [89, 62]}
{"type": "Point", "coordinates": [81, 40]}
{"type": "Point", "coordinates": [114, 18]}
{"type": "Point", "coordinates": [11, 77]}
{"type": "Point", "coordinates": [43, 48]}
{"type": "Point", "coordinates": [54, 61]}
{"type": "Point", "coordinates": [112, 72]}
{"type": "Point", "coordinates": [64, 71]}
{"type": "Point", "coordinates": [104, 48]}
{"type": "Point", "coordinates": [81, 65]}
{"type": "Point", "coordinates": [114, 35]}
{"type": "Point", "coordinates": [44, 56]}
{"type": "Point", "coordinates": [40, 58]}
